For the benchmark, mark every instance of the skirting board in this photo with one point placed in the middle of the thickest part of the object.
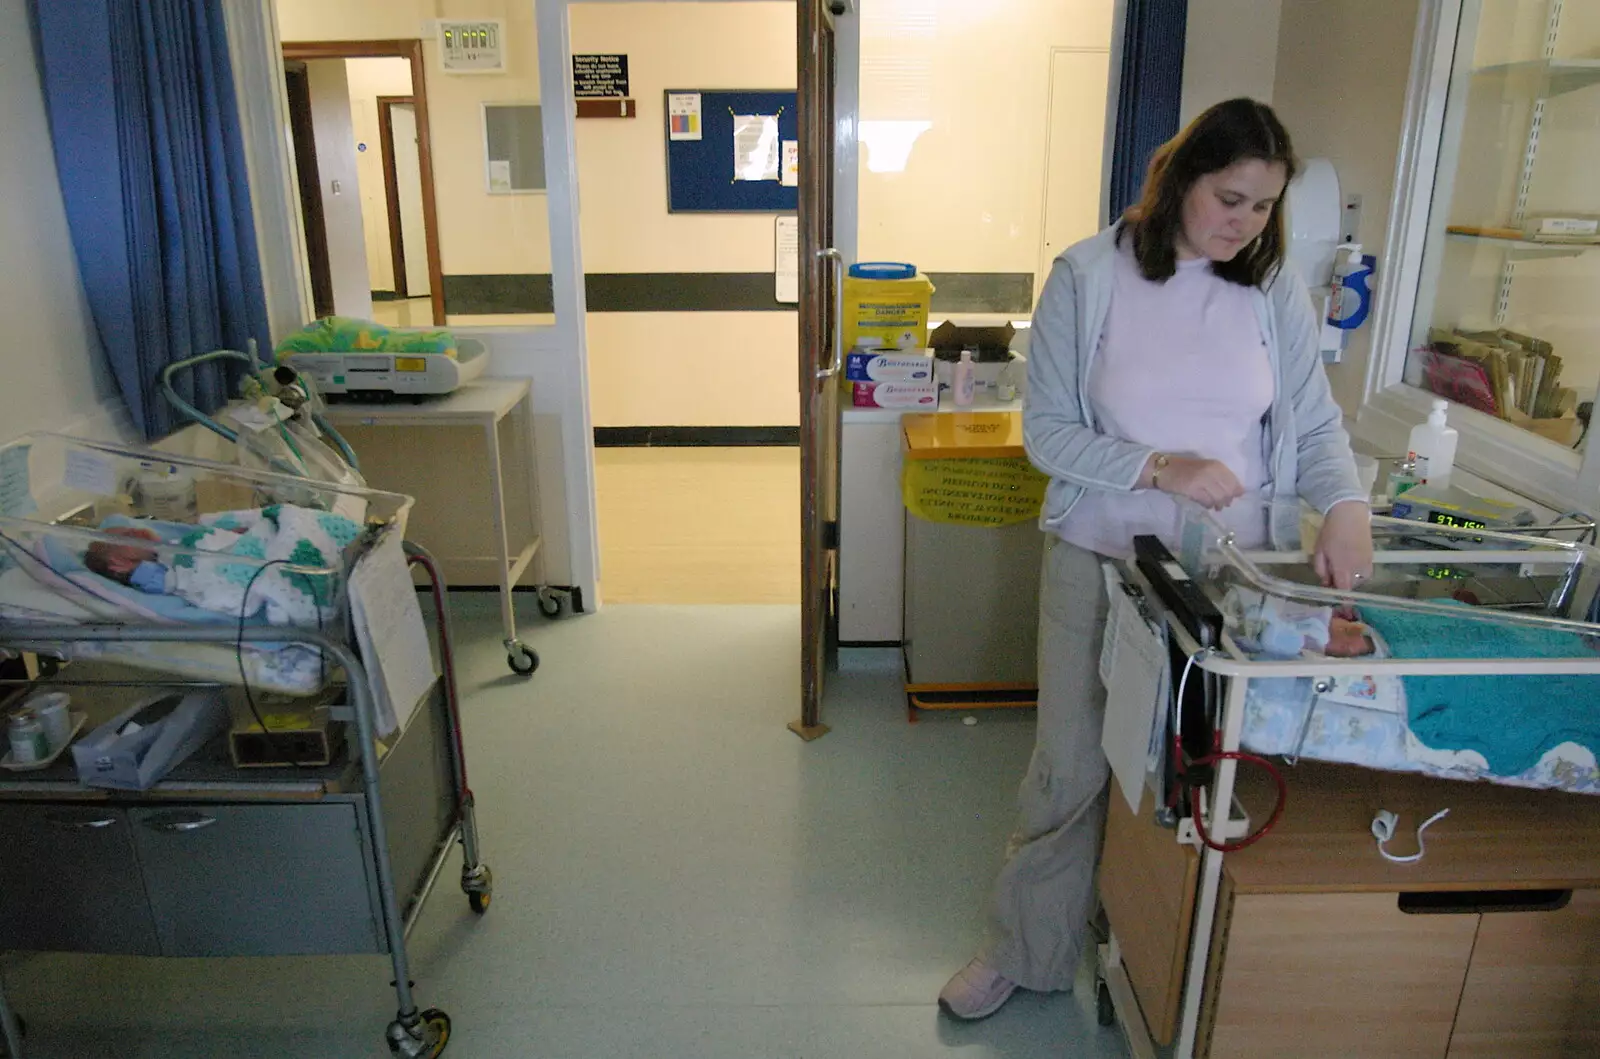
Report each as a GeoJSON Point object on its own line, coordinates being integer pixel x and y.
{"type": "Point", "coordinates": [695, 437]}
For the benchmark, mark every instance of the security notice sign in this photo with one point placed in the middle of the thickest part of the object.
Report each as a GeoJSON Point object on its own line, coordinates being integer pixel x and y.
{"type": "Point", "coordinates": [599, 76]}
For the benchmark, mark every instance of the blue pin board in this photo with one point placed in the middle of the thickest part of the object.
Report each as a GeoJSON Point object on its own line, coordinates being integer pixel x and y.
{"type": "Point", "coordinates": [700, 172]}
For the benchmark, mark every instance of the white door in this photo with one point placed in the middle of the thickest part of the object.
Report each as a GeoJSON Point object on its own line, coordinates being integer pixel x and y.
{"type": "Point", "coordinates": [1077, 137]}
{"type": "Point", "coordinates": [408, 187]}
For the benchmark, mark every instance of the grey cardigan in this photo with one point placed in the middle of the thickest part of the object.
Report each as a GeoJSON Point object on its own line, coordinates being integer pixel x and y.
{"type": "Point", "coordinates": [1309, 451]}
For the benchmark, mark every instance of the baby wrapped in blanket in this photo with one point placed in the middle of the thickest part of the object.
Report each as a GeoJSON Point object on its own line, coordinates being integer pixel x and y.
{"type": "Point", "coordinates": [282, 534]}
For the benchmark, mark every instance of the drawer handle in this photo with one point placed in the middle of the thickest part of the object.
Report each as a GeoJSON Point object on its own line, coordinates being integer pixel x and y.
{"type": "Point", "coordinates": [1473, 902]}
{"type": "Point", "coordinates": [72, 823]}
{"type": "Point", "coordinates": [175, 825]}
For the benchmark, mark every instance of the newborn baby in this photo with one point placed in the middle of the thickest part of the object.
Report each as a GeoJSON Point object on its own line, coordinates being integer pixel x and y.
{"type": "Point", "coordinates": [129, 564]}
{"type": "Point", "coordinates": [1283, 628]}
{"type": "Point", "coordinates": [292, 536]}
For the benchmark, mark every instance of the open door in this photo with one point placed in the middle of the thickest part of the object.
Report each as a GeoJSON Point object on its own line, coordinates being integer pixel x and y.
{"type": "Point", "coordinates": [821, 279]}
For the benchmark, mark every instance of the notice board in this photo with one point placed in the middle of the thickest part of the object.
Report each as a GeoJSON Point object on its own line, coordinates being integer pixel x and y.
{"type": "Point", "coordinates": [703, 129]}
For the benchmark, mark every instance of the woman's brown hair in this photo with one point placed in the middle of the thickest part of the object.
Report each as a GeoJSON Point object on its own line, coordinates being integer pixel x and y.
{"type": "Point", "coordinates": [1228, 132]}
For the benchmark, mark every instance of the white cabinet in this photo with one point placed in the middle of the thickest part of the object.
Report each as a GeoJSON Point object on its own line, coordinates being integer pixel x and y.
{"type": "Point", "coordinates": [871, 531]}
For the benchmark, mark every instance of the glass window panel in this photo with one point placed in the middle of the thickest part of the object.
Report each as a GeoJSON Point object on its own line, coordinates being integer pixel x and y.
{"type": "Point", "coordinates": [1508, 321]}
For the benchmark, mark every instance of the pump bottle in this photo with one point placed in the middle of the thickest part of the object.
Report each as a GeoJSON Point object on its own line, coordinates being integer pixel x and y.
{"type": "Point", "coordinates": [1433, 446]}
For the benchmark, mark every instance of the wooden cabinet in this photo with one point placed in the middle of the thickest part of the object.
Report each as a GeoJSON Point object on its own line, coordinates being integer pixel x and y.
{"type": "Point", "coordinates": [1328, 976]}
{"type": "Point", "coordinates": [1533, 987]}
{"type": "Point", "coordinates": [1488, 947]}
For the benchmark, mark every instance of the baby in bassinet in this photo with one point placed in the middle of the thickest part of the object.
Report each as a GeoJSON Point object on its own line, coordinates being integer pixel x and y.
{"type": "Point", "coordinates": [1281, 628]}
{"type": "Point", "coordinates": [283, 535]}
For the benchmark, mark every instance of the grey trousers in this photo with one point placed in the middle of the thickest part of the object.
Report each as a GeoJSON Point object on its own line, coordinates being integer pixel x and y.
{"type": "Point", "coordinates": [1045, 894]}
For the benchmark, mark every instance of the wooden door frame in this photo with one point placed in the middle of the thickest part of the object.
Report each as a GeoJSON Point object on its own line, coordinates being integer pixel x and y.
{"type": "Point", "coordinates": [297, 94]}
{"type": "Point", "coordinates": [411, 50]}
{"type": "Point", "coordinates": [391, 191]}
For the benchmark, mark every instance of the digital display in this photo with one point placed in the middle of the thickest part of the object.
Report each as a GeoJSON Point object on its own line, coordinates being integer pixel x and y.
{"type": "Point", "coordinates": [1445, 573]}
{"type": "Point", "coordinates": [1442, 518]}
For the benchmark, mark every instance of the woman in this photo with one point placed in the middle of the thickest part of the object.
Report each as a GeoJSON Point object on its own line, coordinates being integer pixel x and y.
{"type": "Point", "coordinates": [1173, 356]}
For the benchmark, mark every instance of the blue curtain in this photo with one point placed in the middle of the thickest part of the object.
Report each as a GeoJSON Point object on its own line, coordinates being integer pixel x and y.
{"type": "Point", "coordinates": [1150, 95]}
{"type": "Point", "coordinates": [151, 161]}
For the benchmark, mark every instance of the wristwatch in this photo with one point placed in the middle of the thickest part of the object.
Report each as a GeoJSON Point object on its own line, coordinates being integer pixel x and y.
{"type": "Point", "coordinates": [1155, 472]}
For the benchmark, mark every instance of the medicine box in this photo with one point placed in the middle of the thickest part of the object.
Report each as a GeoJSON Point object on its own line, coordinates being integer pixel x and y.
{"type": "Point", "coordinates": [920, 396]}
{"type": "Point", "coordinates": [874, 365]}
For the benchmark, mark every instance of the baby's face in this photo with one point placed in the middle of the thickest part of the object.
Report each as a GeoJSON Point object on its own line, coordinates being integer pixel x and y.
{"type": "Point", "coordinates": [1347, 639]}
{"type": "Point", "coordinates": [121, 560]}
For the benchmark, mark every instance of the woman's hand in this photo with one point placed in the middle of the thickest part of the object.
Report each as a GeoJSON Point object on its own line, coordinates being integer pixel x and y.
{"type": "Point", "coordinates": [1344, 545]}
{"type": "Point", "coordinates": [1208, 483]}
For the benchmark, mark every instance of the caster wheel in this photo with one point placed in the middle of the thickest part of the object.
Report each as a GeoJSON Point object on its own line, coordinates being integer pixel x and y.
{"type": "Point", "coordinates": [436, 1032]}
{"type": "Point", "coordinates": [1105, 1010]}
{"type": "Point", "coordinates": [425, 1038]}
{"type": "Point", "coordinates": [480, 890]}
{"type": "Point", "coordinates": [552, 605]}
{"type": "Point", "coordinates": [523, 660]}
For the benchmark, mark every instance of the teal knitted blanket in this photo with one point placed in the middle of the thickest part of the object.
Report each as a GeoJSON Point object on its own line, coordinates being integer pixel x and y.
{"type": "Point", "coordinates": [1511, 720]}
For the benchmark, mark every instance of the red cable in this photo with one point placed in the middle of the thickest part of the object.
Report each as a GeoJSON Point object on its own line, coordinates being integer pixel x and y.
{"type": "Point", "coordinates": [1277, 810]}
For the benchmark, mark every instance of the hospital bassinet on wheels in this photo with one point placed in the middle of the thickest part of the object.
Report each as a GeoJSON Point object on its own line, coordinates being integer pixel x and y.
{"type": "Point", "coordinates": [127, 572]}
{"type": "Point", "coordinates": [1280, 748]}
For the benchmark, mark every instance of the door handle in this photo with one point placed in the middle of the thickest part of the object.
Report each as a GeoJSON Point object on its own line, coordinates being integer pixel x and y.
{"type": "Point", "coordinates": [179, 823]}
{"type": "Point", "coordinates": [69, 823]}
{"type": "Point", "coordinates": [836, 259]}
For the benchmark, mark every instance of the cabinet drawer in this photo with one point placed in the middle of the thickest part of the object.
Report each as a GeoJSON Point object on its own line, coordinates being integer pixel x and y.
{"type": "Point", "coordinates": [1533, 990]}
{"type": "Point", "coordinates": [69, 881]}
{"type": "Point", "coordinates": [1329, 976]}
{"type": "Point", "coordinates": [256, 880]}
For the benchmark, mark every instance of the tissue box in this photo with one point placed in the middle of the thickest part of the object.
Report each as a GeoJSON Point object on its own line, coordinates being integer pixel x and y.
{"type": "Point", "coordinates": [922, 396]}
{"type": "Point", "coordinates": [874, 365]}
{"type": "Point", "coordinates": [168, 728]}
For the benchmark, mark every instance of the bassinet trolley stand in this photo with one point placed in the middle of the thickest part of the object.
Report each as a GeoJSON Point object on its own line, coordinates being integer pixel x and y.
{"type": "Point", "coordinates": [409, 804]}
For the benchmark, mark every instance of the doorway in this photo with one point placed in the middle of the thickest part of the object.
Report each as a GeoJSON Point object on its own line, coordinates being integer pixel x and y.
{"type": "Point", "coordinates": [691, 353]}
{"type": "Point", "coordinates": [302, 127]}
{"type": "Point", "coordinates": [402, 192]}
{"type": "Point", "coordinates": [364, 167]}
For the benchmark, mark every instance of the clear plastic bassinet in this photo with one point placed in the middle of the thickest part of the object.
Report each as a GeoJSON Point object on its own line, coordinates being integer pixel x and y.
{"type": "Point", "coordinates": [102, 533]}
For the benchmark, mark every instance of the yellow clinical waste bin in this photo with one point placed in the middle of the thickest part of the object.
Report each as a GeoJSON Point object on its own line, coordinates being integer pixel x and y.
{"type": "Point", "coordinates": [972, 558]}
{"type": "Point", "coordinates": [887, 304]}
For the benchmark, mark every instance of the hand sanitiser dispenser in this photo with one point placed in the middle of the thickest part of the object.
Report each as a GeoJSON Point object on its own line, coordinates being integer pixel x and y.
{"type": "Point", "coordinates": [1333, 268]}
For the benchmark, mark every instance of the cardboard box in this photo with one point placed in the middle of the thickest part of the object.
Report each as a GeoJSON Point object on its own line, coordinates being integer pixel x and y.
{"type": "Point", "coordinates": [914, 396]}
{"type": "Point", "coordinates": [989, 344]}
{"type": "Point", "coordinates": [1563, 431]}
{"type": "Point", "coordinates": [876, 365]}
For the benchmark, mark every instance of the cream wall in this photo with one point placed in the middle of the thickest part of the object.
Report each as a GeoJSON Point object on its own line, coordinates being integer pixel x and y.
{"type": "Point", "coordinates": [968, 85]}
{"type": "Point", "coordinates": [622, 164]}
{"type": "Point", "coordinates": [688, 368]}
{"type": "Point", "coordinates": [1340, 90]}
{"type": "Point", "coordinates": [52, 360]}
{"type": "Point", "coordinates": [1231, 50]}
{"type": "Point", "coordinates": [341, 189]}
{"type": "Point", "coordinates": [369, 79]}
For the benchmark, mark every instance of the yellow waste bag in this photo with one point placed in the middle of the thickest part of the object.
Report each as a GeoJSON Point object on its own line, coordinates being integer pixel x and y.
{"type": "Point", "coordinates": [986, 493]}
